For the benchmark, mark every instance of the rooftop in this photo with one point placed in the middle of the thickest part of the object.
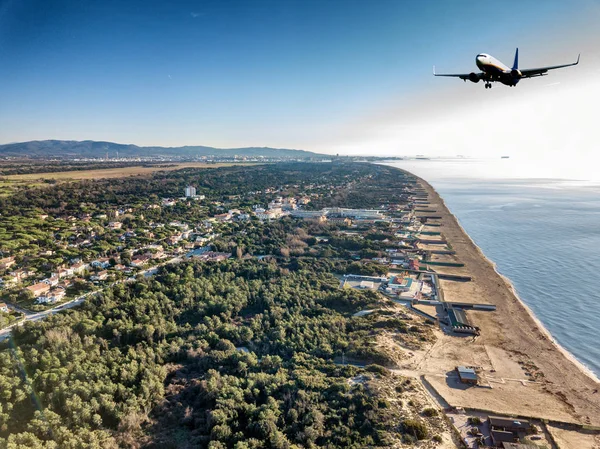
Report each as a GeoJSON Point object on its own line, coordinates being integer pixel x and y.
{"type": "Point", "coordinates": [501, 421]}
{"type": "Point", "coordinates": [458, 317]}
{"type": "Point", "coordinates": [499, 436]}
{"type": "Point", "coordinates": [466, 373]}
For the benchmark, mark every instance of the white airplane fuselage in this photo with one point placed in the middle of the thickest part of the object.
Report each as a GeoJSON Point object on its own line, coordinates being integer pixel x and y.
{"type": "Point", "coordinates": [492, 70]}
{"type": "Point", "coordinates": [495, 70]}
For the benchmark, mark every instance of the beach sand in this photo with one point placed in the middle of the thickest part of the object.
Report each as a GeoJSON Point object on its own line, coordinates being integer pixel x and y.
{"type": "Point", "coordinates": [529, 373]}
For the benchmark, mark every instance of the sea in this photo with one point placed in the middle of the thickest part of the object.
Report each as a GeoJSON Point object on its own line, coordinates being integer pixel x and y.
{"type": "Point", "coordinates": [543, 233]}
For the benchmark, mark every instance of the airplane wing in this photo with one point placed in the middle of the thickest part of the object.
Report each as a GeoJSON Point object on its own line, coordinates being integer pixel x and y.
{"type": "Point", "coordinates": [462, 76]}
{"type": "Point", "coordinates": [530, 73]}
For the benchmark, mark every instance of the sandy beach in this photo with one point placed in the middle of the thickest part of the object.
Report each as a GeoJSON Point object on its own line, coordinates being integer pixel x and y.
{"type": "Point", "coordinates": [529, 374]}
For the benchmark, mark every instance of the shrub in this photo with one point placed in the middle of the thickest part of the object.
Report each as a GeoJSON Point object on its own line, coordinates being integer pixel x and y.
{"type": "Point", "coordinates": [377, 369]}
{"type": "Point", "coordinates": [437, 438]}
{"type": "Point", "coordinates": [416, 428]}
{"type": "Point", "coordinates": [474, 420]}
{"type": "Point", "coordinates": [429, 412]}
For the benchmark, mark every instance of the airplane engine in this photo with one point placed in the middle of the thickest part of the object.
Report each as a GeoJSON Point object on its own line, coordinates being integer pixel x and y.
{"type": "Point", "coordinates": [516, 73]}
{"type": "Point", "coordinates": [473, 77]}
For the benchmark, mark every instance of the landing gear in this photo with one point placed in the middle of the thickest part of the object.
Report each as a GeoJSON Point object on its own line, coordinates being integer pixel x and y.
{"type": "Point", "coordinates": [488, 85]}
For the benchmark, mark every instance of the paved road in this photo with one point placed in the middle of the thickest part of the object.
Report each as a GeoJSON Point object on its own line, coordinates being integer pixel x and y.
{"type": "Point", "coordinates": [36, 316]}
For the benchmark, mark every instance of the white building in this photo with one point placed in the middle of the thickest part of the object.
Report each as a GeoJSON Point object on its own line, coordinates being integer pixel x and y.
{"type": "Point", "coordinates": [190, 191]}
{"type": "Point", "coordinates": [308, 214]}
{"type": "Point", "coordinates": [355, 213]}
{"type": "Point", "coordinates": [266, 215]}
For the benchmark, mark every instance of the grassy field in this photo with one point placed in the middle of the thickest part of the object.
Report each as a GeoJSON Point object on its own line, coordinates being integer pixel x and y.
{"type": "Point", "coordinates": [7, 187]}
{"type": "Point", "coordinates": [115, 172]}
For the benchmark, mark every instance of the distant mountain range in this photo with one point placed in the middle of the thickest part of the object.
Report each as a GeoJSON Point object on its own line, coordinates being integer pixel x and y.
{"type": "Point", "coordinates": [94, 149]}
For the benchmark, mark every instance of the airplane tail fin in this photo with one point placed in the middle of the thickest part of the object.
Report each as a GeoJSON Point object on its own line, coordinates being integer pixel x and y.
{"type": "Point", "coordinates": [516, 63]}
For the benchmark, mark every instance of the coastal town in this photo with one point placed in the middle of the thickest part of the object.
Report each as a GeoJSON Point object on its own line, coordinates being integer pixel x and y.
{"type": "Point", "coordinates": [404, 249]}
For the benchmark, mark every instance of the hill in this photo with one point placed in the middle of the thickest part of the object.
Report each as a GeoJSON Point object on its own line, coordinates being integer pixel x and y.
{"type": "Point", "coordinates": [95, 149]}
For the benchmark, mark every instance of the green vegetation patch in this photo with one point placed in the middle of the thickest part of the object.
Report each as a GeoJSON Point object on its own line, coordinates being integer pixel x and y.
{"type": "Point", "coordinates": [227, 354]}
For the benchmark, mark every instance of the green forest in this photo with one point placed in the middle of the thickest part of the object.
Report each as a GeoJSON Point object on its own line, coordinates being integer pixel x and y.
{"type": "Point", "coordinates": [237, 354]}
{"type": "Point", "coordinates": [244, 353]}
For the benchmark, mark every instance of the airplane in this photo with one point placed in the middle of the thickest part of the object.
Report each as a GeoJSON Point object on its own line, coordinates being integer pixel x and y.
{"type": "Point", "coordinates": [493, 70]}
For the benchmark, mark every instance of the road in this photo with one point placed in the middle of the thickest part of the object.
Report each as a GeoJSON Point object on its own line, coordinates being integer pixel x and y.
{"type": "Point", "coordinates": [36, 316]}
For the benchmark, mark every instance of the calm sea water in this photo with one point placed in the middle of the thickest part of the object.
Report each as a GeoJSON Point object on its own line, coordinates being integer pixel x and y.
{"type": "Point", "coordinates": [543, 234]}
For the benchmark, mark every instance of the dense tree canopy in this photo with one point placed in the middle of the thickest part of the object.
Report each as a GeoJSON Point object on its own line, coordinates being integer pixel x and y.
{"type": "Point", "coordinates": [236, 351]}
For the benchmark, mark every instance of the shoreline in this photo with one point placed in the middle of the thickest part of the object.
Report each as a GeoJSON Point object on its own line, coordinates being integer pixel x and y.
{"type": "Point", "coordinates": [584, 369]}
{"type": "Point", "coordinates": [587, 371]}
{"type": "Point", "coordinates": [515, 331]}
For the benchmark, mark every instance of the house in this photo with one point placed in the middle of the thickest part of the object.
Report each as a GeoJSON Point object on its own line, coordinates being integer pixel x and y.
{"type": "Point", "coordinates": [509, 424]}
{"type": "Point", "coordinates": [51, 281]}
{"type": "Point", "coordinates": [212, 256]}
{"type": "Point", "coordinates": [79, 267]}
{"type": "Point", "coordinates": [223, 217]}
{"type": "Point", "coordinates": [139, 261]}
{"type": "Point", "coordinates": [264, 215]}
{"type": "Point", "coordinates": [4, 307]}
{"type": "Point", "coordinates": [467, 375]}
{"type": "Point", "coordinates": [507, 430]}
{"type": "Point", "coordinates": [65, 284]}
{"type": "Point", "coordinates": [178, 224]}
{"type": "Point", "coordinates": [115, 225]}
{"type": "Point", "coordinates": [22, 274]}
{"type": "Point", "coordinates": [64, 272]}
{"type": "Point", "coordinates": [100, 276]}
{"type": "Point", "coordinates": [100, 263]}
{"type": "Point", "coordinates": [400, 284]}
{"type": "Point", "coordinates": [58, 294]}
{"type": "Point", "coordinates": [38, 289]}
{"type": "Point", "coordinates": [500, 437]}
{"type": "Point", "coordinates": [174, 239]}
{"type": "Point", "coordinates": [7, 262]}
{"type": "Point", "coordinates": [169, 202]}
{"type": "Point", "coordinates": [52, 297]}
{"type": "Point", "coordinates": [277, 203]}
{"type": "Point", "coordinates": [242, 217]}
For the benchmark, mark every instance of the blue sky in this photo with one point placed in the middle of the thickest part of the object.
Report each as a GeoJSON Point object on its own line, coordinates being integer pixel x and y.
{"type": "Point", "coordinates": [239, 73]}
